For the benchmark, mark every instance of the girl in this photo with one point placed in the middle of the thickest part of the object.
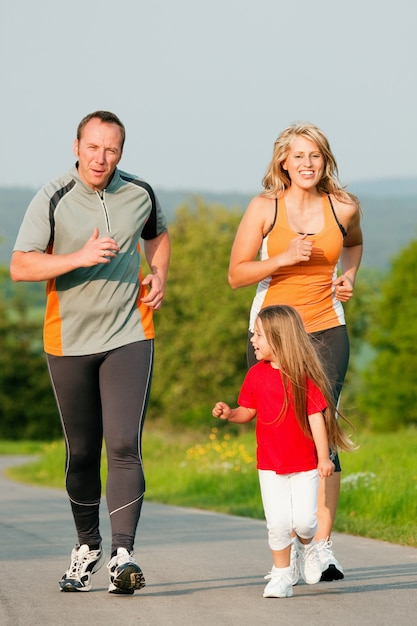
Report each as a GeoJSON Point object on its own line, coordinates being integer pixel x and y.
{"type": "Point", "coordinates": [296, 434]}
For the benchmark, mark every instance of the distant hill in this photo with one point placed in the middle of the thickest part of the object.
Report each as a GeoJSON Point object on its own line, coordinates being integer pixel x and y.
{"type": "Point", "coordinates": [389, 214]}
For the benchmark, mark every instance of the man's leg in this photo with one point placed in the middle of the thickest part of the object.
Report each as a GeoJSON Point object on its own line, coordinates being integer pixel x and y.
{"type": "Point", "coordinates": [125, 380]}
{"type": "Point", "coordinates": [75, 384]}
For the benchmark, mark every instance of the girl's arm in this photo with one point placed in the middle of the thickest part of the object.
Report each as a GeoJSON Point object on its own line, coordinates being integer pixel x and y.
{"type": "Point", "coordinates": [325, 466]}
{"type": "Point", "coordinates": [239, 415]}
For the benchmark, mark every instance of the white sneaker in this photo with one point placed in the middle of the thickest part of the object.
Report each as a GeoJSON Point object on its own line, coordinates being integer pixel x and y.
{"type": "Point", "coordinates": [125, 574]}
{"type": "Point", "coordinates": [280, 584]}
{"type": "Point", "coordinates": [330, 566]}
{"type": "Point", "coordinates": [84, 562]}
{"type": "Point", "coordinates": [309, 562]}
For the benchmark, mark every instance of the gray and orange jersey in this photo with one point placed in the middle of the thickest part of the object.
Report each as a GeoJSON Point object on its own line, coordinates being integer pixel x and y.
{"type": "Point", "coordinates": [93, 309]}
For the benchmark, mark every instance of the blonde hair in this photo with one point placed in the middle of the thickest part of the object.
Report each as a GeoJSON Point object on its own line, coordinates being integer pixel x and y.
{"type": "Point", "coordinates": [298, 361]}
{"type": "Point", "coordinates": [276, 180]}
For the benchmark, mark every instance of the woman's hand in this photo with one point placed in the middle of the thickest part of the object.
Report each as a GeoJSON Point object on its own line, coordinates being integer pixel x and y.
{"type": "Point", "coordinates": [299, 250]}
{"type": "Point", "coordinates": [343, 288]}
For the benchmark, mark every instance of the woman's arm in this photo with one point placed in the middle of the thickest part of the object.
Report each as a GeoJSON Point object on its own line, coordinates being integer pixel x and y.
{"type": "Point", "coordinates": [244, 269]}
{"type": "Point", "coordinates": [348, 214]}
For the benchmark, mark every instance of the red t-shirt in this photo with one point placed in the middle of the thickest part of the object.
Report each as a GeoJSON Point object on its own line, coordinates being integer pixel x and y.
{"type": "Point", "coordinates": [282, 448]}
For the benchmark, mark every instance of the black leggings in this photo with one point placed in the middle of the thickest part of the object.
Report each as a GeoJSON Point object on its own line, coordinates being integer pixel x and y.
{"type": "Point", "coordinates": [104, 395]}
{"type": "Point", "coordinates": [333, 347]}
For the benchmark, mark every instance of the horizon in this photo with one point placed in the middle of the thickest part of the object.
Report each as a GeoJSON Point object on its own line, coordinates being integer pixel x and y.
{"type": "Point", "coordinates": [204, 90]}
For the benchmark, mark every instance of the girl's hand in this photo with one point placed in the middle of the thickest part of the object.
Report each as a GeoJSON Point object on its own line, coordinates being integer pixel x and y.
{"type": "Point", "coordinates": [325, 467]}
{"type": "Point", "coordinates": [221, 410]}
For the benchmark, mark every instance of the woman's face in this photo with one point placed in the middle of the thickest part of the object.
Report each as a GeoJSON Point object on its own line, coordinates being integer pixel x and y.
{"type": "Point", "coordinates": [304, 163]}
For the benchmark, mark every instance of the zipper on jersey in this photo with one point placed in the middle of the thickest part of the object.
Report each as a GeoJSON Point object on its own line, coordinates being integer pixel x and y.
{"type": "Point", "coordinates": [105, 211]}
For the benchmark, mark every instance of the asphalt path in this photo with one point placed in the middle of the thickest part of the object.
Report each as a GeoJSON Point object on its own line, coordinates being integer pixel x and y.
{"type": "Point", "coordinates": [201, 569]}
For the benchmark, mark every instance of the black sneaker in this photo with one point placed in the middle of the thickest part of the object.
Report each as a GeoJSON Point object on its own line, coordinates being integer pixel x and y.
{"type": "Point", "coordinates": [125, 574]}
{"type": "Point", "coordinates": [84, 562]}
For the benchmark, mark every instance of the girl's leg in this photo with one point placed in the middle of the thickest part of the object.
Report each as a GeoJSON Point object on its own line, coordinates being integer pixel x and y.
{"type": "Point", "coordinates": [276, 499]}
{"type": "Point", "coordinates": [304, 486]}
{"type": "Point", "coordinates": [125, 380]}
{"type": "Point", "coordinates": [75, 384]}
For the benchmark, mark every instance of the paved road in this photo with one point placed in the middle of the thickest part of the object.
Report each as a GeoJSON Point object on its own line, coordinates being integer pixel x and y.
{"type": "Point", "coordinates": [202, 569]}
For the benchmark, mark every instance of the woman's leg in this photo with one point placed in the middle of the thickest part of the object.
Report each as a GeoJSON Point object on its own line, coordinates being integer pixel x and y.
{"type": "Point", "coordinates": [333, 348]}
{"type": "Point", "coordinates": [250, 352]}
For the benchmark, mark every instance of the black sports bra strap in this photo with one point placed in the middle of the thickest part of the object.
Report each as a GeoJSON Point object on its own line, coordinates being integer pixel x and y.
{"type": "Point", "coordinates": [342, 230]}
{"type": "Point", "coordinates": [275, 219]}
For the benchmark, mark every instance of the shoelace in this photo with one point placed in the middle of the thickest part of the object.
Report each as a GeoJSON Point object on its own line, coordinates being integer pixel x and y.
{"type": "Point", "coordinates": [325, 547]}
{"type": "Point", "coordinates": [120, 559]}
{"type": "Point", "coordinates": [77, 563]}
{"type": "Point", "coordinates": [309, 554]}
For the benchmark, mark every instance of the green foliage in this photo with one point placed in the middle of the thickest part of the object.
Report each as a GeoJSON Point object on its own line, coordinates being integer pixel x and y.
{"type": "Point", "coordinates": [201, 331]}
{"type": "Point", "coordinates": [217, 471]}
{"type": "Point", "coordinates": [389, 393]}
{"type": "Point", "coordinates": [377, 496]}
{"type": "Point", "coordinates": [359, 314]}
{"type": "Point", "coordinates": [201, 338]}
{"type": "Point", "coordinates": [27, 406]}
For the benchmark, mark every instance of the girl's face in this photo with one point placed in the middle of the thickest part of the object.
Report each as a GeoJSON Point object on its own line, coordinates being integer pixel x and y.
{"type": "Point", "coordinates": [263, 351]}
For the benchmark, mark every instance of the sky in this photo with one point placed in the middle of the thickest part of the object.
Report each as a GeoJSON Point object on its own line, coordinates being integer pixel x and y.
{"type": "Point", "coordinates": [205, 88]}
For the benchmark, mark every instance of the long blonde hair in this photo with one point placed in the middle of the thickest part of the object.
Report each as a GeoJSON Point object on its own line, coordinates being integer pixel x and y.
{"type": "Point", "coordinates": [276, 180]}
{"type": "Point", "coordinates": [298, 361]}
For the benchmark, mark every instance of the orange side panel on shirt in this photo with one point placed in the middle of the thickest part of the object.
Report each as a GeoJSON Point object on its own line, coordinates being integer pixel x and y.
{"type": "Point", "coordinates": [145, 312]}
{"type": "Point", "coordinates": [53, 322]}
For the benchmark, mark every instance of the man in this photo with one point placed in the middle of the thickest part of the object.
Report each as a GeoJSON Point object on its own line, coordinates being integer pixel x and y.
{"type": "Point", "coordinates": [81, 233]}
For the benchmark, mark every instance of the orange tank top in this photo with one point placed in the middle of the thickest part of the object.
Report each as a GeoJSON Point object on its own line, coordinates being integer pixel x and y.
{"type": "Point", "coordinates": [307, 286]}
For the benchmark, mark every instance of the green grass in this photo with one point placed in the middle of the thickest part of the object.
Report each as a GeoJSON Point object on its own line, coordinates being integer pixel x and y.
{"type": "Point", "coordinates": [216, 471]}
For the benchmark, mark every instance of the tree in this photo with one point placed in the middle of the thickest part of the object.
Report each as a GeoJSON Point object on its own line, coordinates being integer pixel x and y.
{"type": "Point", "coordinates": [27, 405]}
{"type": "Point", "coordinates": [389, 393]}
{"type": "Point", "coordinates": [360, 319]}
{"type": "Point", "coordinates": [201, 330]}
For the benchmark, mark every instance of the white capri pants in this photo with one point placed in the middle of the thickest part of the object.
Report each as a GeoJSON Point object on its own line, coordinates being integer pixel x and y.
{"type": "Point", "coordinates": [290, 503]}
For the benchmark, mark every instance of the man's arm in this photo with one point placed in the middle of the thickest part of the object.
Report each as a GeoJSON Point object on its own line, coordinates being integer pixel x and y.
{"type": "Point", "coordinates": [157, 253]}
{"type": "Point", "coordinates": [38, 266]}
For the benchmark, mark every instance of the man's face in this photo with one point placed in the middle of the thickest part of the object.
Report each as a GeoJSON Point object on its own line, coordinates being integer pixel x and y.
{"type": "Point", "coordinates": [99, 150]}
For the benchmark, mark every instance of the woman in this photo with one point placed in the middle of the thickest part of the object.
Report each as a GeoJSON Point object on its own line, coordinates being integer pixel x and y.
{"type": "Point", "coordinates": [302, 225]}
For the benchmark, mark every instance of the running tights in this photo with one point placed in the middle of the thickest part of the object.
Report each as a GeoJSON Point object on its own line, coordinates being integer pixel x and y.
{"type": "Point", "coordinates": [104, 396]}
